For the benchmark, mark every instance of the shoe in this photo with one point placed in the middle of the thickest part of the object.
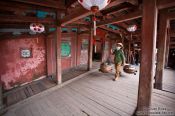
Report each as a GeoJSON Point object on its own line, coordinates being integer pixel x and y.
{"type": "Point", "coordinates": [115, 79]}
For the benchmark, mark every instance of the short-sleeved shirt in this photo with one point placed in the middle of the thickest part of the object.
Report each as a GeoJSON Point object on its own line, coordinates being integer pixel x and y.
{"type": "Point", "coordinates": [118, 56]}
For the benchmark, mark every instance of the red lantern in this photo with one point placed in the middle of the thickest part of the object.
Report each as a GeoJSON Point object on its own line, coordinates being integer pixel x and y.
{"type": "Point", "coordinates": [132, 28]}
{"type": "Point", "coordinates": [37, 27]}
{"type": "Point", "coordinates": [94, 6]}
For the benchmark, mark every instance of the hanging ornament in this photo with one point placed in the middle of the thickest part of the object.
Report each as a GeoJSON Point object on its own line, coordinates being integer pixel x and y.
{"type": "Point", "coordinates": [94, 6]}
{"type": "Point", "coordinates": [37, 27]}
{"type": "Point", "coordinates": [90, 4]}
{"type": "Point", "coordinates": [94, 21]}
{"type": "Point", "coordinates": [132, 28]}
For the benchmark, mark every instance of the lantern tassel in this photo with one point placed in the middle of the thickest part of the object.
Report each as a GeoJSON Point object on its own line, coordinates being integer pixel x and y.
{"type": "Point", "coordinates": [95, 28]}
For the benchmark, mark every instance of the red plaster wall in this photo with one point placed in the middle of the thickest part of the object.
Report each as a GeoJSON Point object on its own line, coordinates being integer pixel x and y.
{"type": "Point", "coordinates": [68, 62]}
{"type": "Point", "coordinates": [15, 70]}
{"type": "Point", "coordinates": [83, 57]}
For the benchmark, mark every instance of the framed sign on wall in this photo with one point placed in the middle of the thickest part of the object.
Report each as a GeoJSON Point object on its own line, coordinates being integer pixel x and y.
{"type": "Point", "coordinates": [26, 52]}
{"type": "Point", "coordinates": [65, 49]}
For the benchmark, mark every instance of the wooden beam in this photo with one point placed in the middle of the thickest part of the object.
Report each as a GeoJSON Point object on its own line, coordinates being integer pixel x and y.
{"type": "Point", "coordinates": [46, 3]}
{"type": "Point", "coordinates": [165, 3]}
{"type": "Point", "coordinates": [172, 47]}
{"type": "Point", "coordinates": [25, 19]}
{"type": "Point", "coordinates": [119, 8]}
{"type": "Point", "coordinates": [172, 33]}
{"type": "Point", "coordinates": [172, 43]}
{"type": "Point", "coordinates": [73, 16]}
{"type": "Point", "coordinates": [90, 49]}
{"type": "Point", "coordinates": [17, 6]}
{"type": "Point", "coordinates": [130, 16]}
{"type": "Point", "coordinates": [117, 2]}
{"type": "Point", "coordinates": [149, 32]}
{"type": "Point", "coordinates": [110, 30]}
{"type": "Point", "coordinates": [81, 22]}
{"type": "Point", "coordinates": [14, 26]}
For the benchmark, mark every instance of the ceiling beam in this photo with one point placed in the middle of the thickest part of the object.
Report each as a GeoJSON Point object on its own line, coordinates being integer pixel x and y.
{"type": "Point", "coordinates": [46, 3]}
{"type": "Point", "coordinates": [172, 43]}
{"type": "Point", "coordinates": [172, 33]}
{"type": "Point", "coordinates": [110, 30]}
{"type": "Point", "coordinates": [81, 12]}
{"type": "Point", "coordinates": [74, 16]}
{"type": "Point", "coordinates": [17, 6]}
{"type": "Point", "coordinates": [129, 16]}
{"type": "Point", "coordinates": [25, 19]}
{"type": "Point", "coordinates": [172, 46]}
{"type": "Point", "coordinates": [165, 3]}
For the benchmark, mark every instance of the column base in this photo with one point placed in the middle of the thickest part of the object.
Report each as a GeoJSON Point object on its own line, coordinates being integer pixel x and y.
{"type": "Point", "coordinates": [158, 86]}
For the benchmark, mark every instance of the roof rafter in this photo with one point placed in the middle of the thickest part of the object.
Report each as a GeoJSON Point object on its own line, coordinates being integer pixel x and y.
{"type": "Point", "coordinates": [110, 30]}
{"type": "Point", "coordinates": [83, 12]}
{"type": "Point", "coordinates": [46, 3]}
{"type": "Point", "coordinates": [25, 19]}
{"type": "Point", "coordinates": [130, 16]}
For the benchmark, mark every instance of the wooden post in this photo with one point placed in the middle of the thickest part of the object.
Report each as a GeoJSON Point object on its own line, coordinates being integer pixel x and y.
{"type": "Point", "coordinates": [90, 49]}
{"type": "Point", "coordinates": [103, 50]}
{"type": "Point", "coordinates": [58, 49]}
{"type": "Point", "coordinates": [129, 49]}
{"type": "Point", "coordinates": [161, 51]}
{"type": "Point", "coordinates": [149, 31]}
{"type": "Point", "coordinates": [167, 47]}
{"type": "Point", "coordinates": [58, 55]}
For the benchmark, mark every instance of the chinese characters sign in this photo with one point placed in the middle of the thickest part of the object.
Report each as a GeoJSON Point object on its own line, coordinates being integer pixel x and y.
{"type": "Point", "coordinates": [26, 53]}
{"type": "Point", "coordinates": [65, 49]}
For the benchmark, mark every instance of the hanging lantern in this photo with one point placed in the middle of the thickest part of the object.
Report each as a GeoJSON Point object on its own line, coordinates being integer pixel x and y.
{"type": "Point", "coordinates": [132, 28]}
{"type": "Point", "coordinates": [94, 6]}
{"type": "Point", "coordinates": [37, 27]}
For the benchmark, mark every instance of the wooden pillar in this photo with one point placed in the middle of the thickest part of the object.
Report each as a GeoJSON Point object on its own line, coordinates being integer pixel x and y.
{"type": "Point", "coordinates": [167, 47]}
{"type": "Point", "coordinates": [162, 37]}
{"type": "Point", "coordinates": [129, 49]}
{"type": "Point", "coordinates": [149, 31]}
{"type": "Point", "coordinates": [58, 54]}
{"type": "Point", "coordinates": [90, 49]}
{"type": "Point", "coordinates": [103, 50]}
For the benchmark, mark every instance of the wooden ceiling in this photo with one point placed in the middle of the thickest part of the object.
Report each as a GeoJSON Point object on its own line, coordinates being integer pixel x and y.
{"type": "Point", "coordinates": [119, 13]}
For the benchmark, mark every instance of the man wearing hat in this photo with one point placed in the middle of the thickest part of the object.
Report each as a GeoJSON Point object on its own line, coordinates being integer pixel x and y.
{"type": "Point", "coordinates": [119, 59]}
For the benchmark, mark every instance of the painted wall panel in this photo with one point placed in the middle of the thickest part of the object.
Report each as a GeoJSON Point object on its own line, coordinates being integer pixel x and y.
{"type": "Point", "coordinates": [16, 70]}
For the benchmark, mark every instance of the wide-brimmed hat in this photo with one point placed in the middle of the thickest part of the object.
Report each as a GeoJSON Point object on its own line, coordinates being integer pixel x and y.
{"type": "Point", "coordinates": [120, 44]}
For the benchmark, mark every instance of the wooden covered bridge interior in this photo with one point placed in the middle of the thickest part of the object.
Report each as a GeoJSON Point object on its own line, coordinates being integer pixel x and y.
{"type": "Point", "coordinates": [55, 72]}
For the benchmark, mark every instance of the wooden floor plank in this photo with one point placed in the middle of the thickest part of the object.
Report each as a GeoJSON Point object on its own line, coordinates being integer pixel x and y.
{"type": "Point", "coordinates": [56, 98]}
{"type": "Point", "coordinates": [81, 106]}
{"type": "Point", "coordinates": [130, 100]}
{"type": "Point", "coordinates": [105, 111]}
{"type": "Point", "coordinates": [89, 103]}
{"type": "Point", "coordinates": [118, 106]}
{"type": "Point", "coordinates": [93, 95]}
{"type": "Point", "coordinates": [34, 110]}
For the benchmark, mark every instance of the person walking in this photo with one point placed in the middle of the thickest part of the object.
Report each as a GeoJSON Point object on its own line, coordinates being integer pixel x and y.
{"type": "Point", "coordinates": [119, 59]}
